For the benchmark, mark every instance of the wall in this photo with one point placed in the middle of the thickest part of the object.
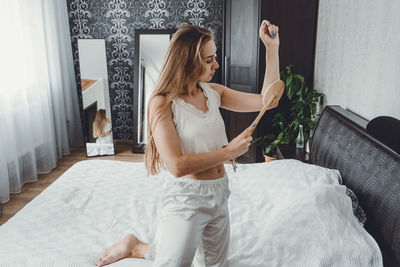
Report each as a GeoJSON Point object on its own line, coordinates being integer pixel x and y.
{"type": "Point", "coordinates": [116, 21]}
{"type": "Point", "coordinates": [358, 56]}
{"type": "Point", "coordinates": [92, 59]}
{"type": "Point", "coordinates": [93, 66]}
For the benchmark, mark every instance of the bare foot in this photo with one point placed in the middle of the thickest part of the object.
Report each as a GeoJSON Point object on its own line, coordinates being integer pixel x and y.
{"type": "Point", "coordinates": [128, 247]}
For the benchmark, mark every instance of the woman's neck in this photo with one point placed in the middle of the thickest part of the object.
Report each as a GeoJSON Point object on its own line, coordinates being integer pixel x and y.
{"type": "Point", "coordinates": [192, 89]}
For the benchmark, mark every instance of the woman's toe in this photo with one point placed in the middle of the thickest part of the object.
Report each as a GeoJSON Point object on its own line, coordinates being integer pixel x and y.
{"type": "Point", "coordinates": [107, 260]}
{"type": "Point", "coordinates": [101, 260]}
{"type": "Point", "coordinates": [100, 263]}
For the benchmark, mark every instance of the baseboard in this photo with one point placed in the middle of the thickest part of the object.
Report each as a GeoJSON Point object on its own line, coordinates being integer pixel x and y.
{"type": "Point", "coordinates": [123, 142]}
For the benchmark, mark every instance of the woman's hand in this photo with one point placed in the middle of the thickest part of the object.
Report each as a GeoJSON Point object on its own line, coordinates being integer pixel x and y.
{"type": "Point", "coordinates": [240, 144]}
{"type": "Point", "coordinates": [269, 34]}
{"type": "Point", "coordinates": [106, 133]}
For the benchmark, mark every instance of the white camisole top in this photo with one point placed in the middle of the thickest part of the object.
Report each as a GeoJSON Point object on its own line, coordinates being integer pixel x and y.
{"type": "Point", "coordinates": [105, 139]}
{"type": "Point", "coordinates": [199, 132]}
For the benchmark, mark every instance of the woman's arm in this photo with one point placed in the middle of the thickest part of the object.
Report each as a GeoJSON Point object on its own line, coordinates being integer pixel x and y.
{"type": "Point", "coordinates": [109, 131]}
{"type": "Point", "coordinates": [247, 102]}
{"type": "Point", "coordinates": [168, 145]}
{"type": "Point", "coordinates": [106, 133]}
{"type": "Point", "coordinates": [238, 101]}
{"type": "Point", "coordinates": [271, 54]}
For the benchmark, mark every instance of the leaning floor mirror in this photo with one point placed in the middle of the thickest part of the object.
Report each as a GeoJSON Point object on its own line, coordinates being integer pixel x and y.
{"type": "Point", "coordinates": [95, 97]}
{"type": "Point", "coordinates": [151, 46]}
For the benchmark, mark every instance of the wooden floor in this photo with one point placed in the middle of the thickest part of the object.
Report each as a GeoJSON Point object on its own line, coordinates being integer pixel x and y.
{"type": "Point", "coordinates": [30, 190]}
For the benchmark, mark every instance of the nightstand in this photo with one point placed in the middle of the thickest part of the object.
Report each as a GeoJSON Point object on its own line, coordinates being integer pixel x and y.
{"type": "Point", "coordinates": [284, 151]}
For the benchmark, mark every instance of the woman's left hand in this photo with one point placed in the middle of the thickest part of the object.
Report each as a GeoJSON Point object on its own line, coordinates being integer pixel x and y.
{"type": "Point", "coordinates": [269, 33]}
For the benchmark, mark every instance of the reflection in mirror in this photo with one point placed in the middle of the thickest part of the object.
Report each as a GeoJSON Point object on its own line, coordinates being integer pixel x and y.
{"type": "Point", "coordinates": [153, 45]}
{"type": "Point", "coordinates": [95, 97]}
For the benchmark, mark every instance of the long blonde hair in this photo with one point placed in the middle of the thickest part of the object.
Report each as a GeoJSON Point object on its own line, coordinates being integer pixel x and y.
{"type": "Point", "coordinates": [99, 123]}
{"type": "Point", "coordinates": [182, 65]}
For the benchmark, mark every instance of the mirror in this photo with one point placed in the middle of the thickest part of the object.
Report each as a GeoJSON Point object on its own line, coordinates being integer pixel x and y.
{"type": "Point", "coordinates": [95, 97]}
{"type": "Point", "coordinates": [152, 47]}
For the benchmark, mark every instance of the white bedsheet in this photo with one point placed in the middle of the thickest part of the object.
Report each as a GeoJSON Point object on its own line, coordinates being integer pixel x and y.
{"type": "Point", "coordinates": [283, 213]}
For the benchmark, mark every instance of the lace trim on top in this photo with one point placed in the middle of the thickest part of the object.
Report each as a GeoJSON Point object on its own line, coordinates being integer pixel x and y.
{"type": "Point", "coordinates": [193, 108]}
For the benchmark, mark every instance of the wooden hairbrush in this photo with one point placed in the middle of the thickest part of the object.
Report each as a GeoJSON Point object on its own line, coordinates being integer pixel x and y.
{"type": "Point", "coordinates": [270, 99]}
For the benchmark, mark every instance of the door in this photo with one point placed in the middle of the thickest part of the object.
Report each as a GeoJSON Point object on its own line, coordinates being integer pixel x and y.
{"type": "Point", "coordinates": [241, 63]}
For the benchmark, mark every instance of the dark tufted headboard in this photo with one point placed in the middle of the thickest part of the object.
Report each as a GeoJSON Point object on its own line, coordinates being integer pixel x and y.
{"type": "Point", "coordinates": [369, 168]}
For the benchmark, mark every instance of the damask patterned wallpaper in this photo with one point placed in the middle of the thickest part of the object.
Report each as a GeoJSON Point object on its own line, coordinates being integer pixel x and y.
{"type": "Point", "coordinates": [116, 22]}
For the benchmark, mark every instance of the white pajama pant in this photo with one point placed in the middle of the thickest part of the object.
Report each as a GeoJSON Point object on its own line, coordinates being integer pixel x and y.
{"type": "Point", "coordinates": [193, 226]}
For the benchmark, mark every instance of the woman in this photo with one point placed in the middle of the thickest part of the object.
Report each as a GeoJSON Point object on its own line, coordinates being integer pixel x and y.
{"type": "Point", "coordinates": [102, 128]}
{"type": "Point", "coordinates": [186, 135]}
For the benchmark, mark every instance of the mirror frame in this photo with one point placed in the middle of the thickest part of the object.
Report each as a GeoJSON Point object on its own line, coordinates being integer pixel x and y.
{"type": "Point", "coordinates": [85, 122]}
{"type": "Point", "coordinates": [140, 147]}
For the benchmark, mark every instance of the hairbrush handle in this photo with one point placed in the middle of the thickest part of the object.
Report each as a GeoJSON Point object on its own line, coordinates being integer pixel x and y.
{"type": "Point", "coordinates": [258, 118]}
{"type": "Point", "coordinates": [270, 100]}
{"type": "Point", "coordinates": [266, 30]}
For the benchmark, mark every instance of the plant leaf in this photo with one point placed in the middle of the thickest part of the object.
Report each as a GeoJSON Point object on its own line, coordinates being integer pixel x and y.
{"type": "Point", "coordinates": [290, 91]}
{"type": "Point", "coordinates": [289, 80]}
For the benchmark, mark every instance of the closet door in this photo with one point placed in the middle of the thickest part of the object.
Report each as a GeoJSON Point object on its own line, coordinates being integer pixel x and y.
{"type": "Point", "coordinates": [241, 63]}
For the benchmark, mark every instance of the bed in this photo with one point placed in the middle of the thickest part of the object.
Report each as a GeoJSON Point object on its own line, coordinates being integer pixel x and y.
{"type": "Point", "coordinates": [283, 213]}
{"type": "Point", "coordinates": [369, 168]}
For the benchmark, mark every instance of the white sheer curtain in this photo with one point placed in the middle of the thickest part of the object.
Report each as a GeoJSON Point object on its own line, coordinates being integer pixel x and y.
{"type": "Point", "coordinates": [39, 111]}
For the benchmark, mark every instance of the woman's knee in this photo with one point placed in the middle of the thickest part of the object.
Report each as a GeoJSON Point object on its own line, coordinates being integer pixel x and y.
{"type": "Point", "coordinates": [177, 242]}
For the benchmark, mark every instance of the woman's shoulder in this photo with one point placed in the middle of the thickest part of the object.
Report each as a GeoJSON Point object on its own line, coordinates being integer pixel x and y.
{"type": "Point", "coordinates": [157, 102]}
{"type": "Point", "coordinates": [215, 87]}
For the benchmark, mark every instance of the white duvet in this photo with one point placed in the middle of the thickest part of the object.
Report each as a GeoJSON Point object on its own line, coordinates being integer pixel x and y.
{"type": "Point", "coordinates": [283, 213]}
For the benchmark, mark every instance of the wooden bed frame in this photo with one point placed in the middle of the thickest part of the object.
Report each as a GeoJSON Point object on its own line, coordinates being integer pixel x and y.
{"type": "Point", "coordinates": [369, 168]}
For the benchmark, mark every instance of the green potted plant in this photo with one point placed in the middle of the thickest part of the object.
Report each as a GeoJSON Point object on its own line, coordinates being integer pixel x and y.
{"type": "Point", "coordinates": [303, 111]}
{"type": "Point", "coordinates": [269, 142]}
